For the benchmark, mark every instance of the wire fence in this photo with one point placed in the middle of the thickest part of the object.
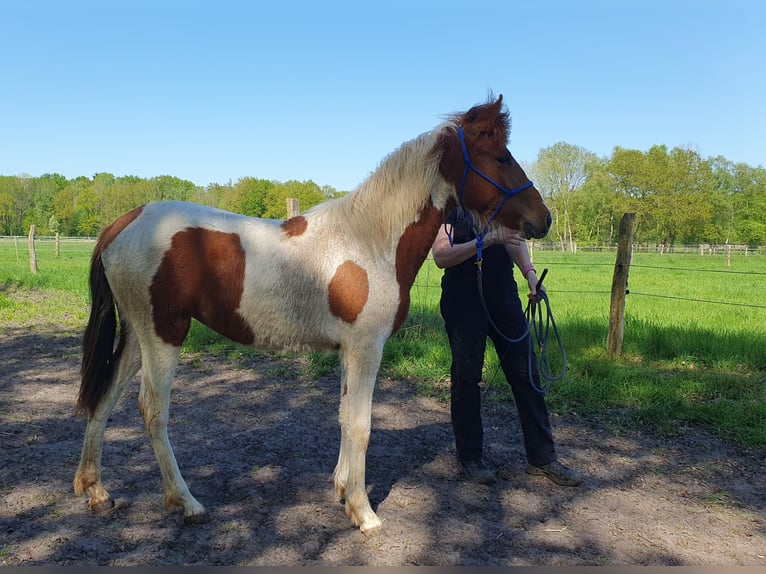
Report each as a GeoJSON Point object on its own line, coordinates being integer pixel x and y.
{"type": "Point", "coordinates": [18, 243]}
{"type": "Point", "coordinates": [647, 247]}
{"type": "Point", "coordinates": [425, 291]}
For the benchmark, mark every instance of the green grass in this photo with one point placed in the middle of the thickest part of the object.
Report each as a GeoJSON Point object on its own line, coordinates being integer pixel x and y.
{"type": "Point", "coordinates": [685, 361]}
{"type": "Point", "coordinates": [67, 272]}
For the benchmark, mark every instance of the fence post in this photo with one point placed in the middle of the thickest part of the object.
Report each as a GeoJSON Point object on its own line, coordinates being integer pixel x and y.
{"type": "Point", "coordinates": [293, 207]}
{"type": "Point", "coordinates": [58, 244]}
{"type": "Point", "coordinates": [620, 285]}
{"type": "Point", "coordinates": [32, 253]}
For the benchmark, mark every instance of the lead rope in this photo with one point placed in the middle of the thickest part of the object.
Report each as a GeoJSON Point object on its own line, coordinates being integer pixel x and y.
{"type": "Point", "coordinates": [537, 325]}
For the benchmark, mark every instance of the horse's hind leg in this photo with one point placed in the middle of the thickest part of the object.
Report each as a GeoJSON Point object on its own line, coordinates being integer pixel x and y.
{"type": "Point", "coordinates": [88, 476]}
{"type": "Point", "coordinates": [154, 405]}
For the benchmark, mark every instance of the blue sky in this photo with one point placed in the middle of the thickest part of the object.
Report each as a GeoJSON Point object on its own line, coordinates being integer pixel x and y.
{"type": "Point", "coordinates": [323, 90]}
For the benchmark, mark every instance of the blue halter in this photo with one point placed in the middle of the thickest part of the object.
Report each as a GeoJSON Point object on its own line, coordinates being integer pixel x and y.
{"type": "Point", "coordinates": [507, 192]}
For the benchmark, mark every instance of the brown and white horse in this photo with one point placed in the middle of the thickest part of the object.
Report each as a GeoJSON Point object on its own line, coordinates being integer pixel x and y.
{"type": "Point", "coordinates": [337, 277]}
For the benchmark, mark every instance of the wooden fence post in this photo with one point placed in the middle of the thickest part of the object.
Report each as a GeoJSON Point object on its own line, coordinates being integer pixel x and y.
{"type": "Point", "coordinates": [293, 207]}
{"type": "Point", "coordinates": [620, 285]}
{"type": "Point", "coordinates": [58, 244]}
{"type": "Point", "coordinates": [32, 253]}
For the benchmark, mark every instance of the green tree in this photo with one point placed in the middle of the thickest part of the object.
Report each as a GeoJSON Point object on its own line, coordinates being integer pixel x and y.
{"type": "Point", "coordinates": [558, 172]}
{"type": "Point", "coordinates": [88, 213]}
{"type": "Point", "coordinates": [749, 194]}
{"type": "Point", "coordinates": [65, 205]}
{"type": "Point", "coordinates": [252, 196]}
{"type": "Point", "coordinates": [670, 191]}
{"type": "Point", "coordinates": [597, 209]}
{"type": "Point", "coordinates": [42, 190]}
{"type": "Point", "coordinates": [12, 205]}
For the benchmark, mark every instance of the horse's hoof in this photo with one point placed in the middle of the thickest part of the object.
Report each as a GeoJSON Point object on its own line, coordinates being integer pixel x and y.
{"type": "Point", "coordinates": [373, 531]}
{"type": "Point", "coordinates": [195, 518]}
{"type": "Point", "coordinates": [101, 507]}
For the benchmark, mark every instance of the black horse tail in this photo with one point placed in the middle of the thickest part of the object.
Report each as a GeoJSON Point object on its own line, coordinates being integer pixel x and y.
{"type": "Point", "coordinates": [99, 355]}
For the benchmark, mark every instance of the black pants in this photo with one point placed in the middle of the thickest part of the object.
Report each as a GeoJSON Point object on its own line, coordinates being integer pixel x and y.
{"type": "Point", "coordinates": [467, 328]}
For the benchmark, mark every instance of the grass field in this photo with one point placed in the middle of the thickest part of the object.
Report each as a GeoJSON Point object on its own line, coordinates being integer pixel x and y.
{"type": "Point", "coordinates": [694, 350]}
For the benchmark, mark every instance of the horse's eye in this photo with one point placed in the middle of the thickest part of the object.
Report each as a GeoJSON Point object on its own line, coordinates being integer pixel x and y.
{"type": "Point", "coordinates": [504, 160]}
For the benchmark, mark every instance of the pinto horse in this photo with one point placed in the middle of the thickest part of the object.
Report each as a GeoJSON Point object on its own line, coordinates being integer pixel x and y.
{"type": "Point", "coordinates": [337, 277]}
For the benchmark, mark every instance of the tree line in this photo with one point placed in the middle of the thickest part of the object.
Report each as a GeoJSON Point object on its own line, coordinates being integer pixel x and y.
{"type": "Point", "coordinates": [83, 206]}
{"type": "Point", "coordinates": [677, 195]}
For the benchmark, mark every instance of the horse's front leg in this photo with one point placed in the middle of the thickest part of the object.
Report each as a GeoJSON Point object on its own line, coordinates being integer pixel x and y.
{"type": "Point", "coordinates": [360, 368]}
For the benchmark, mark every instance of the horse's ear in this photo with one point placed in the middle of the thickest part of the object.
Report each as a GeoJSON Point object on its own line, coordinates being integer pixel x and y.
{"type": "Point", "coordinates": [490, 119]}
{"type": "Point", "coordinates": [500, 114]}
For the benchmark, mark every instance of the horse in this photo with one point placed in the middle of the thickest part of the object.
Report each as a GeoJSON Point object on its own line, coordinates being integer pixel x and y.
{"type": "Point", "coordinates": [337, 277]}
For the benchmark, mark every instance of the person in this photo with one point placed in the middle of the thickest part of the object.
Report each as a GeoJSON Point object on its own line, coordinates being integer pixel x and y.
{"type": "Point", "coordinates": [468, 326]}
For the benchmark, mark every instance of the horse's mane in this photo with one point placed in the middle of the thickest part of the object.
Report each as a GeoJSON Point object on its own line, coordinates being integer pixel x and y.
{"type": "Point", "coordinates": [381, 207]}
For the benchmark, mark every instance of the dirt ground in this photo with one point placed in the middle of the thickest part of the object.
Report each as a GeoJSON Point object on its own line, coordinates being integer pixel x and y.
{"type": "Point", "coordinates": [257, 441]}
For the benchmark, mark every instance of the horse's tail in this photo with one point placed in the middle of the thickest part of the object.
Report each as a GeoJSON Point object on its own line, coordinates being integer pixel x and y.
{"type": "Point", "coordinates": [99, 356]}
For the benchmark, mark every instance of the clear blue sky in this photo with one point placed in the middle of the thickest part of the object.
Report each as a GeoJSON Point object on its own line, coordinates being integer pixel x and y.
{"type": "Point", "coordinates": [323, 89]}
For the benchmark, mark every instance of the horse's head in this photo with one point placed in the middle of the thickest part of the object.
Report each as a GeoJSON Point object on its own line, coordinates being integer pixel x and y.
{"type": "Point", "coordinates": [488, 181]}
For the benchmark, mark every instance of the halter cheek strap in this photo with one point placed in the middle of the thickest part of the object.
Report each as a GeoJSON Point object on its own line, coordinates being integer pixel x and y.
{"type": "Point", "coordinates": [508, 193]}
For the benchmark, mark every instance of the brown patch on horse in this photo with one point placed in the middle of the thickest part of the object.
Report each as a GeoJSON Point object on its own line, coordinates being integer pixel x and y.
{"type": "Point", "coordinates": [411, 251]}
{"type": "Point", "coordinates": [348, 291]}
{"type": "Point", "coordinates": [202, 275]}
{"type": "Point", "coordinates": [295, 226]}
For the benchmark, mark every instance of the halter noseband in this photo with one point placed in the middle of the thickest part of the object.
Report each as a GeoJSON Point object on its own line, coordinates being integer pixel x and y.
{"type": "Point", "coordinates": [507, 192]}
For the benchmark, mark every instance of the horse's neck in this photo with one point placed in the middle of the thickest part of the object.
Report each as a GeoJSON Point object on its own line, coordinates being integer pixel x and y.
{"type": "Point", "coordinates": [395, 197]}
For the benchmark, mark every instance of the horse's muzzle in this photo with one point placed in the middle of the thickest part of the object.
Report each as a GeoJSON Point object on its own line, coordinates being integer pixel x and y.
{"type": "Point", "coordinates": [534, 232]}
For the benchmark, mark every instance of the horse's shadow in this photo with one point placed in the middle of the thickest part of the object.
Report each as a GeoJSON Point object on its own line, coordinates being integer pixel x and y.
{"type": "Point", "coordinates": [258, 440]}
{"type": "Point", "coordinates": [257, 429]}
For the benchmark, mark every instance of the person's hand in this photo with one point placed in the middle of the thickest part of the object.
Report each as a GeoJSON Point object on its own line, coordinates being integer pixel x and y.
{"type": "Point", "coordinates": [500, 234]}
{"type": "Point", "coordinates": [535, 295]}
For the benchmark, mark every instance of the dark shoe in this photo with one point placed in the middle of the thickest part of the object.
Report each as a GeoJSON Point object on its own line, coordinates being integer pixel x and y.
{"type": "Point", "coordinates": [557, 472]}
{"type": "Point", "coordinates": [476, 471]}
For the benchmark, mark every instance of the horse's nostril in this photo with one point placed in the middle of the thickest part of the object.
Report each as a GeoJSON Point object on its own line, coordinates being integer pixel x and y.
{"type": "Point", "coordinates": [549, 220]}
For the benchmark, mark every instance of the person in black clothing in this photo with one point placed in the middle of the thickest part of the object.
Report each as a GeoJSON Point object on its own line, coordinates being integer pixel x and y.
{"type": "Point", "coordinates": [467, 326]}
